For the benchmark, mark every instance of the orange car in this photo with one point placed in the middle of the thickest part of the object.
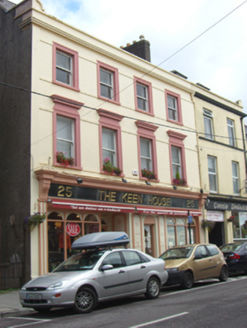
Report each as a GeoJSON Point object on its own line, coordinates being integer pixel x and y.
{"type": "Point", "coordinates": [189, 263]}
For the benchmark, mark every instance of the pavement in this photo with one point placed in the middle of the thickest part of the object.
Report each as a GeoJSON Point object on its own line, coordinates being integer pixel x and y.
{"type": "Point", "coordinates": [11, 306]}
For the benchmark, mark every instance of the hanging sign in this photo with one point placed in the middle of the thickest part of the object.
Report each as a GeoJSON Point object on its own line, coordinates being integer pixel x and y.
{"type": "Point", "coordinates": [73, 229]}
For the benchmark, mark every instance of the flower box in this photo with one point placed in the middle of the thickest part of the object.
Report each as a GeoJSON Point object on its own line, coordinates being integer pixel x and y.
{"type": "Point", "coordinates": [110, 168]}
{"type": "Point", "coordinates": [34, 220]}
{"type": "Point", "coordinates": [148, 174]}
{"type": "Point", "coordinates": [63, 159]}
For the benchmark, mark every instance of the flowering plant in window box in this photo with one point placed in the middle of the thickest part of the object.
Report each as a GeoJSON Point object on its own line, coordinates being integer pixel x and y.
{"type": "Point", "coordinates": [34, 220]}
{"type": "Point", "coordinates": [208, 224]}
{"type": "Point", "coordinates": [109, 167]}
{"type": "Point", "coordinates": [179, 181]}
{"type": "Point", "coordinates": [148, 174]}
{"type": "Point", "coordinates": [63, 159]}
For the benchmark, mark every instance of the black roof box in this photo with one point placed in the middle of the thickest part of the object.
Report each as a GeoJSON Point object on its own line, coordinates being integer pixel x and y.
{"type": "Point", "coordinates": [101, 239]}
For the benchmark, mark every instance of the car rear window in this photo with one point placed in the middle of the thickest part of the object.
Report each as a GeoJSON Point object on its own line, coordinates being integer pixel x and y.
{"type": "Point", "coordinates": [231, 247]}
{"type": "Point", "coordinates": [212, 250]}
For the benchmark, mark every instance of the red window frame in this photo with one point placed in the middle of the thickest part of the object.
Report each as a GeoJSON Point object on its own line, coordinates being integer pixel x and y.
{"type": "Point", "coordinates": [146, 130]}
{"type": "Point", "coordinates": [67, 108]}
{"type": "Point", "coordinates": [179, 107]}
{"type": "Point", "coordinates": [75, 66]}
{"type": "Point", "coordinates": [110, 121]}
{"type": "Point", "coordinates": [148, 85]}
{"type": "Point", "coordinates": [114, 72]}
{"type": "Point", "coordinates": [176, 140]}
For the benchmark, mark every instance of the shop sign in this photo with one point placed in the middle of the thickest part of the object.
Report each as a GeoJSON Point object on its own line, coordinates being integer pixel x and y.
{"type": "Point", "coordinates": [128, 198]}
{"type": "Point", "coordinates": [73, 229]}
{"type": "Point", "coordinates": [226, 206]}
{"type": "Point", "coordinates": [215, 216]}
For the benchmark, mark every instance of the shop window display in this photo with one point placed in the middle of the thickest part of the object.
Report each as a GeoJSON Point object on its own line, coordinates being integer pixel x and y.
{"type": "Point", "coordinates": [178, 232]}
{"type": "Point", "coordinates": [239, 225]}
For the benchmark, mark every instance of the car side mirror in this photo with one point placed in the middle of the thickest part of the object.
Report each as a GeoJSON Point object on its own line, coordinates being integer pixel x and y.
{"type": "Point", "coordinates": [198, 257]}
{"type": "Point", "coordinates": [106, 267]}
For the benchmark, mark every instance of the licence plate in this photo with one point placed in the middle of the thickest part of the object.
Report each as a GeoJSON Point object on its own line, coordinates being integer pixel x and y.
{"type": "Point", "coordinates": [33, 296]}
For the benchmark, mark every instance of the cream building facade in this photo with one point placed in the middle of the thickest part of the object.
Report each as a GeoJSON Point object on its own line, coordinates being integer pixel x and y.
{"type": "Point", "coordinates": [221, 150]}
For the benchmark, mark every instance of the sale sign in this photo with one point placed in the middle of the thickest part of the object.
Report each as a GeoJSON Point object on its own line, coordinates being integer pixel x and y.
{"type": "Point", "coordinates": [73, 229]}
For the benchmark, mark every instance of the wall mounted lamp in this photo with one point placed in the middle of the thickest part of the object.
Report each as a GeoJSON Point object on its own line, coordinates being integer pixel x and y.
{"type": "Point", "coordinates": [124, 180]}
{"type": "Point", "coordinates": [148, 183]}
{"type": "Point", "coordinates": [79, 180]}
{"type": "Point", "coordinates": [201, 191]}
{"type": "Point", "coordinates": [174, 187]}
{"type": "Point", "coordinates": [49, 200]}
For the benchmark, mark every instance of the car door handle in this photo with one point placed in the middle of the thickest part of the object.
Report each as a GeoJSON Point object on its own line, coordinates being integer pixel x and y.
{"type": "Point", "coordinates": [121, 271]}
{"type": "Point", "coordinates": [143, 267]}
{"type": "Point", "coordinates": [210, 260]}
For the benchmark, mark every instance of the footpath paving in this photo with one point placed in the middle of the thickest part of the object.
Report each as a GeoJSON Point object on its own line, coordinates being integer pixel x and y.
{"type": "Point", "coordinates": [11, 306]}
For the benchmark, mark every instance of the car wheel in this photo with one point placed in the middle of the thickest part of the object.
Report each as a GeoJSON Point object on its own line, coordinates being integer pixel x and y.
{"type": "Point", "coordinates": [44, 310]}
{"type": "Point", "coordinates": [153, 288]}
{"type": "Point", "coordinates": [223, 274]}
{"type": "Point", "coordinates": [188, 280]}
{"type": "Point", "coordinates": [85, 300]}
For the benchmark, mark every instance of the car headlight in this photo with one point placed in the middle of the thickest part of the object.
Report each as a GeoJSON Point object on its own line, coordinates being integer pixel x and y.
{"type": "Point", "coordinates": [57, 285]}
{"type": "Point", "coordinates": [172, 269]}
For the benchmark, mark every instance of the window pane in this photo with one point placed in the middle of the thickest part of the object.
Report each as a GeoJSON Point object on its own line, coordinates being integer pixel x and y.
{"type": "Point", "coordinates": [181, 235]}
{"type": "Point", "coordinates": [146, 160]}
{"type": "Point", "coordinates": [106, 84]}
{"type": "Point", "coordinates": [171, 236]}
{"type": "Point", "coordinates": [208, 127]}
{"type": "Point", "coordinates": [63, 68]}
{"type": "Point", "coordinates": [235, 177]}
{"type": "Point", "coordinates": [172, 108]}
{"type": "Point", "coordinates": [212, 173]}
{"type": "Point", "coordinates": [65, 135]}
{"type": "Point", "coordinates": [176, 162]}
{"type": "Point", "coordinates": [109, 145]}
{"type": "Point", "coordinates": [141, 91]}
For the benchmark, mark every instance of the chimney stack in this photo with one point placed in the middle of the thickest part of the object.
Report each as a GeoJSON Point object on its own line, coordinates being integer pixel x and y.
{"type": "Point", "coordinates": [139, 48]}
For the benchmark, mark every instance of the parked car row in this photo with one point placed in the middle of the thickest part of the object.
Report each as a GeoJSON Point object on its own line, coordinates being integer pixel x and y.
{"type": "Point", "coordinates": [100, 272]}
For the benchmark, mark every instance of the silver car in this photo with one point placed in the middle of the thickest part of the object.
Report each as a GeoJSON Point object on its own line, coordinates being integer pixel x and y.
{"type": "Point", "coordinates": [93, 276]}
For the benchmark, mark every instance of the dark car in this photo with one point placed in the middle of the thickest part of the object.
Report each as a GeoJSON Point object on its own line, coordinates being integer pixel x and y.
{"type": "Point", "coordinates": [236, 256]}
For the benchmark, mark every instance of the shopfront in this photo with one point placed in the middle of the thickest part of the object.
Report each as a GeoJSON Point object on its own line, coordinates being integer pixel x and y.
{"type": "Point", "coordinates": [230, 217]}
{"type": "Point", "coordinates": [154, 219]}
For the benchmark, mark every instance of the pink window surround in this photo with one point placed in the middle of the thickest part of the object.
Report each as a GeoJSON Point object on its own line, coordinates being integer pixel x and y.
{"type": "Point", "coordinates": [146, 130]}
{"type": "Point", "coordinates": [176, 140]}
{"type": "Point", "coordinates": [75, 65]}
{"type": "Point", "coordinates": [111, 121]}
{"type": "Point", "coordinates": [68, 108]}
{"type": "Point", "coordinates": [148, 85]}
{"type": "Point", "coordinates": [179, 107]}
{"type": "Point", "coordinates": [114, 72]}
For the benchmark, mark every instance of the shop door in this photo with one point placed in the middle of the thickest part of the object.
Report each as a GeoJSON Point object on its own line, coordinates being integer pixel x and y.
{"type": "Point", "coordinates": [216, 235]}
{"type": "Point", "coordinates": [148, 233]}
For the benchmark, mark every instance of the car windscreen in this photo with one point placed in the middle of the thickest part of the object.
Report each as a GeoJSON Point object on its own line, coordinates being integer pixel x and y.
{"type": "Point", "coordinates": [231, 247]}
{"type": "Point", "coordinates": [79, 262]}
{"type": "Point", "coordinates": [177, 253]}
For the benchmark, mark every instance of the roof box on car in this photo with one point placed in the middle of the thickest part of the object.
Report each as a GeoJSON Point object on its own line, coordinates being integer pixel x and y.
{"type": "Point", "coordinates": [101, 239]}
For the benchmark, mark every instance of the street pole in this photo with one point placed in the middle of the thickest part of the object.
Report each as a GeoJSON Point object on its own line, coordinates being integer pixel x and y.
{"type": "Point", "coordinates": [189, 222]}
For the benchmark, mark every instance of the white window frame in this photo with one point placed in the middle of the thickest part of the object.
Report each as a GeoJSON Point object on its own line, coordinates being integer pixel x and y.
{"type": "Point", "coordinates": [113, 151]}
{"type": "Point", "coordinates": [110, 87]}
{"type": "Point", "coordinates": [172, 110]}
{"type": "Point", "coordinates": [231, 133]}
{"type": "Point", "coordinates": [208, 124]}
{"type": "Point", "coordinates": [149, 159]}
{"type": "Point", "coordinates": [213, 174]}
{"type": "Point", "coordinates": [70, 142]}
{"type": "Point", "coordinates": [176, 166]}
{"type": "Point", "coordinates": [69, 70]}
{"type": "Point", "coordinates": [144, 99]}
{"type": "Point", "coordinates": [235, 177]}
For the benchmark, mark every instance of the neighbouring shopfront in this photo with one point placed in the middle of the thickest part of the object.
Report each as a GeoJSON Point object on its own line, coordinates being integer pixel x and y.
{"type": "Point", "coordinates": [154, 220]}
{"type": "Point", "coordinates": [230, 218]}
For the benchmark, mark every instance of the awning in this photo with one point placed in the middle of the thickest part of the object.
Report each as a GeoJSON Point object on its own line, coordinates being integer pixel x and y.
{"type": "Point", "coordinates": [83, 206]}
